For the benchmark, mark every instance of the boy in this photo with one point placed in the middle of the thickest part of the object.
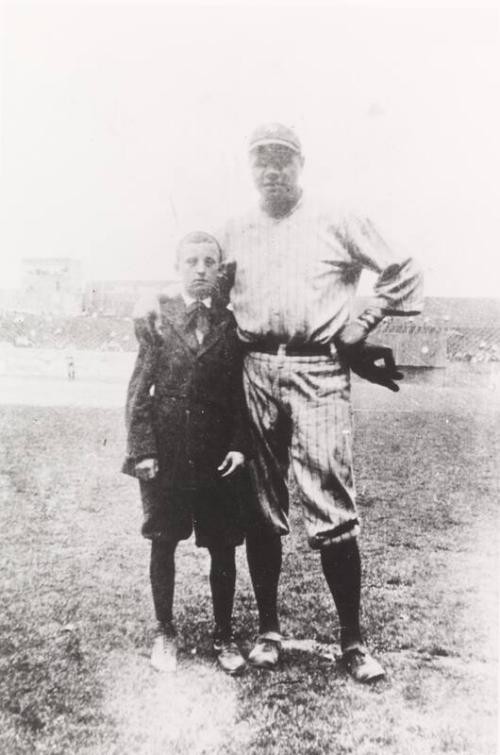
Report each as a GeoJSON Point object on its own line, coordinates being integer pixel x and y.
{"type": "Point", "coordinates": [188, 441]}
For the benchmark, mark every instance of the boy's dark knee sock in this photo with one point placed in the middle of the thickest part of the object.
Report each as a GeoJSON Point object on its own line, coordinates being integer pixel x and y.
{"type": "Point", "coordinates": [162, 574]}
{"type": "Point", "coordinates": [222, 584]}
{"type": "Point", "coordinates": [342, 569]}
{"type": "Point", "coordinates": [264, 563]}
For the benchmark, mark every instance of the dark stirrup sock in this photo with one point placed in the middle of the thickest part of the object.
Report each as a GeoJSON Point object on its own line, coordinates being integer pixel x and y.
{"type": "Point", "coordinates": [264, 564]}
{"type": "Point", "coordinates": [222, 584]}
{"type": "Point", "coordinates": [342, 569]}
{"type": "Point", "coordinates": [162, 574]}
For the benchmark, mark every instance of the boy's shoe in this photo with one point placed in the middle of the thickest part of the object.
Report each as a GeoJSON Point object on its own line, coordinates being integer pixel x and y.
{"type": "Point", "coordinates": [164, 652]}
{"type": "Point", "coordinates": [266, 651]}
{"type": "Point", "coordinates": [229, 657]}
{"type": "Point", "coordinates": [361, 665]}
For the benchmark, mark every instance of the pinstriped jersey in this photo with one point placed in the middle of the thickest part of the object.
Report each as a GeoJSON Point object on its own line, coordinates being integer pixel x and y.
{"type": "Point", "coordinates": [295, 277]}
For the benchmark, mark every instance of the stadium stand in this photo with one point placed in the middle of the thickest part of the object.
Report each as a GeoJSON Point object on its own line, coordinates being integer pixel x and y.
{"type": "Point", "coordinates": [46, 331]}
{"type": "Point", "coordinates": [449, 329]}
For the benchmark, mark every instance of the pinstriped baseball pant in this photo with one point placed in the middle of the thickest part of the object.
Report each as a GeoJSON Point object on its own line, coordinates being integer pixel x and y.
{"type": "Point", "coordinates": [301, 418]}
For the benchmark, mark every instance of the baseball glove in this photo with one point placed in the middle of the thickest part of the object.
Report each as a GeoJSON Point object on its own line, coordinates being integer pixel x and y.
{"type": "Point", "coordinates": [363, 357]}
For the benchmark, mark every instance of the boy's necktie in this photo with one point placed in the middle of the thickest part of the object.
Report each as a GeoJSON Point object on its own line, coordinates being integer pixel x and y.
{"type": "Point", "coordinates": [199, 319]}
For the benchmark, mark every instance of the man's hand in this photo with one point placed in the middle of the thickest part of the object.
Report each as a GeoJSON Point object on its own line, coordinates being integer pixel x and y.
{"type": "Point", "coordinates": [352, 334]}
{"type": "Point", "coordinates": [147, 469]}
{"type": "Point", "coordinates": [232, 461]}
{"type": "Point", "coordinates": [362, 358]}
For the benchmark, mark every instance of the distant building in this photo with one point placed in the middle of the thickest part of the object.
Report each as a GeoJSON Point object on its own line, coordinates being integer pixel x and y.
{"type": "Point", "coordinates": [118, 297]}
{"type": "Point", "coordinates": [54, 286]}
{"type": "Point", "coordinates": [51, 285]}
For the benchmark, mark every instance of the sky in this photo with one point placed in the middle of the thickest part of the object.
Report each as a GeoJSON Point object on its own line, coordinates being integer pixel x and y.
{"type": "Point", "coordinates": [124, 126]}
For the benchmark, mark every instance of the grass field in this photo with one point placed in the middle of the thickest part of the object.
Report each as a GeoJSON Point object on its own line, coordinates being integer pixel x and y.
{"type": "Point", "coordinates": [76, 616]}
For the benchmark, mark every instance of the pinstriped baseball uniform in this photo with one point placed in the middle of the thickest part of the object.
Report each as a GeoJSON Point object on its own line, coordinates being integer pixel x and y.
{"type": "Point", "coordinates": [294, 279]}
{"type": "Point", "coordinates": [296, 276]}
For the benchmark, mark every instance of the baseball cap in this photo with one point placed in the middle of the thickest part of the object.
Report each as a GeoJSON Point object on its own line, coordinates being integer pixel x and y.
{"type": "Point", "coordinates": [275, 133]}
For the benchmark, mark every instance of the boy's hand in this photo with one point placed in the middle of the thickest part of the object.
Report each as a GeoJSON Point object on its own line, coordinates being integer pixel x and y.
{"type": "Point", "coordinates": [147, 469]}
{"type": "Point", "coordinates": [232, 461]}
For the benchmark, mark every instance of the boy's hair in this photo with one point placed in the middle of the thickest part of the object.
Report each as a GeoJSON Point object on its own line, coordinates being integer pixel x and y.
{"type": "Point", "coordinates": [197, 237]}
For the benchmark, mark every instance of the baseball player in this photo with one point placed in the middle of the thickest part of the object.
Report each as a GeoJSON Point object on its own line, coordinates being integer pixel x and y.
{"type": "Point", "coordinates": [294, 264]}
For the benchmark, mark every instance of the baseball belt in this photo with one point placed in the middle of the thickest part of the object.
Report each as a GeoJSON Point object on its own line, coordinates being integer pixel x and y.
{"type": "Point", "coordinates": [291, 350]}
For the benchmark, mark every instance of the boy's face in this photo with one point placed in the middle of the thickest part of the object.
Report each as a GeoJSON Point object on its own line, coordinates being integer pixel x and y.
{"type": "Point", "coordinates": [198, 265]}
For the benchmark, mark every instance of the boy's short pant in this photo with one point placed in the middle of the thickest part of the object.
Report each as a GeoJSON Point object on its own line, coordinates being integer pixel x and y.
{"type": "Point", "coordinates": [216, 512]}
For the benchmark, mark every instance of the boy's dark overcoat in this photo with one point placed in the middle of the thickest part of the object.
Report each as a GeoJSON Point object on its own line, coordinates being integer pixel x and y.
{"type": "Point", "coordinates": [185, 402]}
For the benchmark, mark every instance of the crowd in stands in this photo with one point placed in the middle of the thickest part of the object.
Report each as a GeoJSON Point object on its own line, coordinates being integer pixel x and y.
{"type": "Point", "coordinates": [464, 347]}
{"type": "Point", "coordinates": [69, 333]}
{"type": "Point", "coordinates": [477, 344]}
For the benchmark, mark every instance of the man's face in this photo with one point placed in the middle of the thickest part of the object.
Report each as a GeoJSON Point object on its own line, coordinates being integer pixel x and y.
{"type": "Point", "coordinates": [276, 172]}
{"type": "Point", "coordinates": [198, 264]}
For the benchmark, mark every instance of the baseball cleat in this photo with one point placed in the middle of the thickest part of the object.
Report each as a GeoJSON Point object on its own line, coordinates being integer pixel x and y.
{"type": "Point", "coordinates": [361, 665]}
{"type": "Point", "coordinates": [266, 651]}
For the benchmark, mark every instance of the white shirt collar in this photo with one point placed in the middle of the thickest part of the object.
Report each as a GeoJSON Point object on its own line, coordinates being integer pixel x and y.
{"type": "Point", "coordinates": [188, 300]}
